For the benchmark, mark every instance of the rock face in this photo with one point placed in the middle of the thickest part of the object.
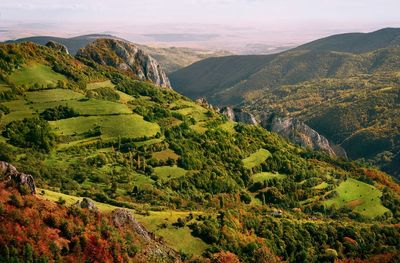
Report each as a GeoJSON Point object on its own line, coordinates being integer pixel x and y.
{"type": "Point", "coordinates": [87, 204]}
{"type": "Point", "coordinates": [58, 47]}
{"type": "Point", "coordinates": [300, 133]}
{"type": "Point", "coordinates": [156, 249]}
{"type": "Point", "coordinates": [203, 102]}
{"type": "Point", "coordinates": [239, 115]}
{"type": "Point", "coordinates": [127, 57]}
{"type": "Point", "coordinates": [17, 178]}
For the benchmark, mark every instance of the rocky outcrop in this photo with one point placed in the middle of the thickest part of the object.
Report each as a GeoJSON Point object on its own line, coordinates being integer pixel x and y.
{"type": "Point", "coordinates": [11, 175]}
{"type": "Point", "coordinates": [300, 133]}
{"type": "Point", "coordinates": [156, 249]}
{"type": "Point", "coordinates": [86, 203]}
{"type": "Point", "coordinates": [127, 57]}
{"type": "Point", "coordinates": [204, 103]}
{"type": "Point", "coordinates": [58, 47]}
{"type": "Point", "coordinates": [239, 115]}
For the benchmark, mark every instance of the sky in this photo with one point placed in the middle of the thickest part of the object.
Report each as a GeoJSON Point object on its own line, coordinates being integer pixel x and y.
{"type": "Point", "coordinates": [199, 22]}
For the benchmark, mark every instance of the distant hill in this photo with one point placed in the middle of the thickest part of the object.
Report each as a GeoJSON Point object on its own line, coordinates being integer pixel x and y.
{"type": "Point", "coordinates": [170, 58]}
{"type": "Point", "coordinates": [322, 83]}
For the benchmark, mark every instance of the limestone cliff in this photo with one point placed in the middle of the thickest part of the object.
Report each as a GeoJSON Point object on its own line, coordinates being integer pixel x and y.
{"type": "Point", "coordinates": [127, 57]}
{"type": "Point", "coordinates": [13, 176]}
{"type": "Point", "coordinates": [239, 115]}
{"type": "Point", "coordinates": [58, 47]}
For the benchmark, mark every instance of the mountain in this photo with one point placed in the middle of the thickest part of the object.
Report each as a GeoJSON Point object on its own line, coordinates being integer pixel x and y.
{"type": "Point", "coordinates": [170, 58]}
{"type": "Point", "coordinates": [193, 185]}
{"type": "Point", "coordinates": [126, 57]}
{"type": "Point", "coordinates": [323, 83]}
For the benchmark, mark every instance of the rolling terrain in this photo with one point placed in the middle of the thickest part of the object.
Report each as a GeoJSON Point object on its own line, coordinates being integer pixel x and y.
{"type": "Point", "coordinates": [345, 87]}
{"type": "Point", "coordinates": [208, 188]}
{"type": "Point", "coordinates": [171, 58]}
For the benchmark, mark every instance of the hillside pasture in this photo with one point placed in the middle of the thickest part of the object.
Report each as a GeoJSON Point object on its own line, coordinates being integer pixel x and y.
{"type": "Point", "coordinates": [360, 197]}
{"type": "Point", "coordinates": [256, 158]}
{"type": "Point", "coordinates": [87, 107]}
{"type": "Point", "coordinates": [36, 74]}
{"type": "Point", "coordinates": [52, 95]}
{"type": "Point", "coordinates": [169, 172]}
{"type": "Point", "coordinates": [129, 126]}
{"type": "Point", "coordinates": [165, 155]}
{"type": "Point", "coordinates": [265, 176]}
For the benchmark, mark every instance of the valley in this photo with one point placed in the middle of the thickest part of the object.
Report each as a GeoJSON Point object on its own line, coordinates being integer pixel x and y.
{"type": "Point", "coordinates": [167, 173]}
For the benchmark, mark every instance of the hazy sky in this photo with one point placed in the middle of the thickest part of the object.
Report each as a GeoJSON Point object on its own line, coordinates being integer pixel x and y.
{"type": "Point", "coordinates": [277, 20]}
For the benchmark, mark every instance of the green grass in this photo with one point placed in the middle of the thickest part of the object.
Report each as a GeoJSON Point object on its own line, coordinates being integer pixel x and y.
{"type": "Point", "coordinates": [256, 158]}
{"type": "Point", "coordinates": [36, 73]}
{"type": "Point", "coordinates": [361, 197]}
{"type": "Point", "coordinates": [70, 199]}
{"type": "Point", "coordinates": [88, 107]}
{"type": "Point", "coordinates": [101, 84]}
{"type": "Point", "coordinates": [178, 238]}
{"type": "Point", "coordinates": [53, 95]}
{"type": "Point", "coordinates": [169, 172]}
{"type": "Point", "coordinates": [228, 126]}
{"type": "Point", "coordinates": [321, 186]}
{"type": "Point", "coordinates": [265, 176]}
{"type": "Point", "coordinates": [191, 109]}
{"type": "Point", "coordinates": [165, 155]}
{"type": "Point", "coordinates": [132, 126]}
{"type": "Point", "coordinates": [19, 111]}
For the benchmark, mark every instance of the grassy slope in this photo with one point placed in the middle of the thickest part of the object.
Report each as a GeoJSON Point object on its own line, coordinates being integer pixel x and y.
{"type": "Point", "coordinates": [36, 73]}
{"type": "Point", "coordinates": [362, 197]}
{"type": "Point", "coordinates": [256, 158]}
{"type": "Point", "coordinates": [265, 176]}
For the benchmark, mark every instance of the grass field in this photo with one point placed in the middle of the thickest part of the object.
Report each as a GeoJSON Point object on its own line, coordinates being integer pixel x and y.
{"type": "Point", "coordinates": [19, 110]}
{"type": "Point", "coordinates": [190, 108]}
{"type": "Point", "coordinates": [165, 155]}
{"type": "Point", "coordinates": [169, 172]}
{"type": "Point", "coordinates": [101, 84]}
{"type": "Point", "coordinates": [53, 95]}
{"type": "Point", "coordinates": [178, 238]}
{"type": "Point", "coordinates": [111, 126]}
{"type": "Point", "coordinates": [361, 197]}
{"type": "Point", "coordinates": [265, 176]}
{"type": "Point", "coordinates": [321, 186]}
{"type": "Point", "coordinates": [87, 107]}
{"type": "Point", "coordinates": [256, 158]}
{"type": "Point", "coordinates": [199, 127]}
{"type": "Point", "coordinates": [36, 73]}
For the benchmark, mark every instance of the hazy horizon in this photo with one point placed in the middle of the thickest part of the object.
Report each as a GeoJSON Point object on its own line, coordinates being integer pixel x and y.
{"type": "Point", "coordinates": [233, 25]}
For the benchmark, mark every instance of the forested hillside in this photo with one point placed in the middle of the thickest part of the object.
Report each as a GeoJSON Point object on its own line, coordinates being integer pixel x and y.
{"type": "Point", "coordinates": [211, 189]}
{"type": "Point", "coordinates": [345, 87]}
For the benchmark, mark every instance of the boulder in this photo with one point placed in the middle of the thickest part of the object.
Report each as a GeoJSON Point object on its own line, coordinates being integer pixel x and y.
{"type": "Point", "coordinates": [11, 175]}
{"type": "Point", "coordinates": [86, 203]}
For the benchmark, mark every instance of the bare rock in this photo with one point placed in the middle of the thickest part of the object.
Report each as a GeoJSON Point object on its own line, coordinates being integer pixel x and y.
{"type": "Point", "coordinates": [86, 203]}
{"type": "Point", "coordinates": [239, 115]}
{"type": "Point", "coordinates": [11, 174]}
{"type": "Point", "coordinates": [125, 56]}
{"type": "Point", "coordinates": [58, 47]}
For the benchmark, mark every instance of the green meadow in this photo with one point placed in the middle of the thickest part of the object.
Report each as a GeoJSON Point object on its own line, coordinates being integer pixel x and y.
{"type": "Point", "coordinates": [169, 172]}
{"type": "Point", "coordinates": [36, 73]}
{"type": "Point", "coordinates": [361, 197]}
{"type": "Point", "coordinates": [256, 158]}
{"type": "Point", "coordinates": [265, 176]}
